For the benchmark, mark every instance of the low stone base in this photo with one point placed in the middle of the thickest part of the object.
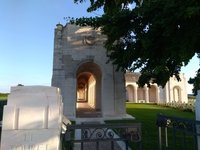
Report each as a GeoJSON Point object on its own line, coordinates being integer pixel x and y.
{"type": "Point", "coordinates": [30, 139]}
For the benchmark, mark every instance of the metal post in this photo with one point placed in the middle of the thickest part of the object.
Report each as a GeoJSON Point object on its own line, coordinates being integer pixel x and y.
{"type": "Point", "coordinates": [112, 145]}
{"type": "Point", "coordinates": [160, 137]}
{"type": "Point", "coordinates": [166, 138]}
{"type": "Point", "coordinates": [68, 145]}
{"type": "Point", "coordinates": [174, 138]}
{"type": "Point", "coordinates": [81, 145]}
{"type": "Point", "coordinates": [97, 145]}
{"type": "Point", "coordinates": [126, 144]}
{"type": "Point", "coordinates": [184, 145]}
{"type": "Point", "coordinates": [139, 145]}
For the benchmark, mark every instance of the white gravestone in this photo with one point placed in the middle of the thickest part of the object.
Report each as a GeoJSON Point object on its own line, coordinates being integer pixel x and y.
{"type": "Point", "coordinates": [32, 119]}
{"type": "Point", "coordinates": [197, 112]}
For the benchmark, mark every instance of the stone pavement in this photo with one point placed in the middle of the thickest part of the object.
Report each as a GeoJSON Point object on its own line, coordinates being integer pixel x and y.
{"type": "Point", "coordinates": [85, 111]}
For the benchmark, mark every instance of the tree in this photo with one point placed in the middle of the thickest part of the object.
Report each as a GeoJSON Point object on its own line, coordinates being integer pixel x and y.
{"type": "Point", "coordinates": [156, 36]}
{"type": "Point", "coordinates": [196, 82]}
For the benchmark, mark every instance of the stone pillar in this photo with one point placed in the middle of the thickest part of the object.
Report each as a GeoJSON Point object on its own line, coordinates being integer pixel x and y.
{"type": "Point", "coordinates": [146, 94]}
{"type": "Point", "coordinates": [135, 94]}
{"type": "Point", "coordinates": [157, 94]}
{"type": "Point", "coordinates": [197, 111]}
{"type": "Point", "coordinates": [171, 92]}
{"type": "Point", "coordinates": [166, 91]}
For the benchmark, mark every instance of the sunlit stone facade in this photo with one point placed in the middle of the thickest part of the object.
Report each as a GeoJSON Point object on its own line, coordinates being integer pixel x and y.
{"type": "Point", "coordinates": [85, 79]}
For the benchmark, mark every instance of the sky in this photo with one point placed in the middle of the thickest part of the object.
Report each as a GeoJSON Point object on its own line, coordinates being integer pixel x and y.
{"type": "Point", "coordinates": [27, 38]}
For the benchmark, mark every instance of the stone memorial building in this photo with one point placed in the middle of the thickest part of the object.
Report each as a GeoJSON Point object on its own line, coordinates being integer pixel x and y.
{"type": "Point", "coordinates": [93, 88]}
{"type": "Point", "coordinates": [174, 91]}
{"type": "Point", "coordinates": [90, 87]}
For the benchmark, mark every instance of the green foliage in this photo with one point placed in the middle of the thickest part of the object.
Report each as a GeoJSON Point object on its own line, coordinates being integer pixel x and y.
{"type": "Point", "coordinates": [188, 107]}
{"type": "Point", "coordinates": [196, 82]}
{"type": "Point", "coordinates": [2, 103]}
{"type": "Point", "coordinates": [3, 96]}
{"type": "Point", "coordinates": [156, 36]}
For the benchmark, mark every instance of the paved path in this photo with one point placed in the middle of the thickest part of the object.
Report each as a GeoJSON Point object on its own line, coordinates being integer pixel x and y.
{"type": "Point", "coordinates": [85, 111]}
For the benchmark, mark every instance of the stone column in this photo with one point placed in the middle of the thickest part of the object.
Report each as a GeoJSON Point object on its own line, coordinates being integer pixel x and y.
{"type": "Point", "coordinates": [171, 92]}
{"type": "Point", "coordinates": [157, 94]}
{"type": "Point", "coordinates": [166, 99]}
{"type": "Point", "coordinates": [197, 110]}
{"type": "Point", "coordinates": [146, 94]}
{"type": "Point", "coordinates": [135, 94]}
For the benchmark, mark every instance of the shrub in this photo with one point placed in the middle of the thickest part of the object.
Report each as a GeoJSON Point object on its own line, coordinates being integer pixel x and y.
{"type": "Point", "coordinates": [189, 107]}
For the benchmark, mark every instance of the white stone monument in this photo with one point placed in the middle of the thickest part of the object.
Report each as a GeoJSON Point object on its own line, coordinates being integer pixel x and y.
{"type": "Point", "coordinates": [32, 119]}
{"type": "Point", "coordinates": [90, 86]}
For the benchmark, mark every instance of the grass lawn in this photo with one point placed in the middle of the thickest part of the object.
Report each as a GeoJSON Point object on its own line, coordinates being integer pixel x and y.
{"type": "Point", "coordinates": [3, 96]}
{"type": "Point", "coordinates": [146, 114]}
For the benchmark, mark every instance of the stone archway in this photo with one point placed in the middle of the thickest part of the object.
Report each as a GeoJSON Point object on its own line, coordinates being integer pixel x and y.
{"type": "Point", "coordinates": [141, 95]}
{"type": "Point", "coordinates": [177, 94]}
{"type": "Point", "coordinates": [130, 93]}
{"type": "Point", "coordinates": [88, 81]}
{"type": "Point", "coordinates": [152, 94]}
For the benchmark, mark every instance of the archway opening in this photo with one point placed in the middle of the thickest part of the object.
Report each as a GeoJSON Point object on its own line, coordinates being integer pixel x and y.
{"type": "Point", "coordinates": [141, 95]}
{"type": "Point", "coordinates": [88, 101]}
{"type": "Point", "coordinates": [177, 94]}
{"type": "Point", "coordinates": [86, 84]}
{"type": "Point", "coordinates": [130, 93]}
{"type": "Point", "coordinates": [152, 94]}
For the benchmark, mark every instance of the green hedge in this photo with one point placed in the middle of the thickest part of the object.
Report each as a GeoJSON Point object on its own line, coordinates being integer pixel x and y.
{"type": "Point", "coordinates": [3, 96]}
{"type": "Point", "coordinates": [2, 103]}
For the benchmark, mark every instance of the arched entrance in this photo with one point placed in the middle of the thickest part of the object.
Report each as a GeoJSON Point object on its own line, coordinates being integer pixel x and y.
{"type": "Point", "coordinates": [130, 93]}
{"type": "Point", "coordinates": [88, 102]}
{"type": "Point", "coordinates": [141, 94]}
{"type": "Point", "coordinates": [152, 94]}
{"type": "Point", "coordinates": [177, 94]}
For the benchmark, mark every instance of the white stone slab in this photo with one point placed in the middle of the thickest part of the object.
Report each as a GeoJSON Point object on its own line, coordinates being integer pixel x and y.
{"type": "Point", "coordinates": [8, 118]}
{"type": "Point", "coordinates": [30, 140]}
{"type": "Point", "coordinates": [54, 117]}
{"type": "Point", "coordinates": [27, 99]}
{"type": "Point", "coordinates": [32, 119]}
